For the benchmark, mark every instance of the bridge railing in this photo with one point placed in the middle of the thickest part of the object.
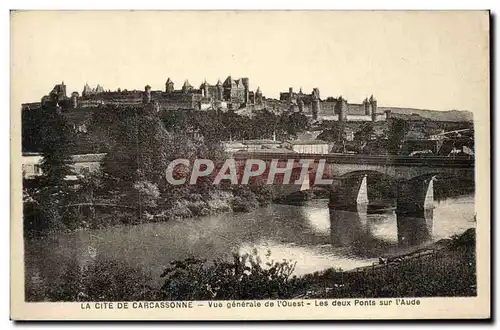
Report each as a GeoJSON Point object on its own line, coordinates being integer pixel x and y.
{"type": "Point", "coordinates": [396, 160]}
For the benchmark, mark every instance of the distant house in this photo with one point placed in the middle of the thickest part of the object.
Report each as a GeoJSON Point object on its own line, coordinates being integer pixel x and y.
{"type": "Point", "coordinates": [348, 134]}
{"type": "Point", "coordinates": [415, 135]}
{"type": "Point", "coordinates": [377, 147]}
{"type": "Point", "coordinates": [79, 163]}
{"type": "Point", "coordinates": [250, 145]}
{"type": "Point", "coordinates": [414, 147]}
{"type": "Point", "coordinates": [89, 162]}
{"type": "Point", "coordinates": [436, 134]}
{"type": "Point", "coordinates": [308, 147]}
{"type": "Point", "coordinates": [309, 135]}
{"type": "Point", "coordinates": [31, 165]}
{"type": "Point", "coordinates": [457, 147]}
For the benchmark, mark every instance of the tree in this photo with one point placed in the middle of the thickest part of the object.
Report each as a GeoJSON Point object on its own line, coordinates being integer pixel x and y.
{"type": "Point", "coordinates": [333, 134]}
{"type": "Point", "coordinates": [84, 197]}
{"type": "Point", "coordinates": [51, 191]}
{"type": "Point", "coordinates": [56, 143]}
{"type": "Point", "coordinates": [141, 148]}
{"type": "Point", "coordinates": [364, 133]}
{"type": "Point", "coordinates": [397, 132]}
{"type": "Point", "coordinates": [31, 135]}
{"type": "Point", "coordinates": [294, 123]}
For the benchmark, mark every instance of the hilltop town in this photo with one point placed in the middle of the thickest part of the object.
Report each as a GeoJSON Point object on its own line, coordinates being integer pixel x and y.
{"type": "Point", "coordinates": [99, 159]}
{"type": "Point", "coordinates": [236, 95]}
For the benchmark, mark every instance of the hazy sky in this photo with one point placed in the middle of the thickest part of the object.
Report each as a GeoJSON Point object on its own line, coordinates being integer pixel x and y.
{"type": "Point", "coordinates": [433, 60]}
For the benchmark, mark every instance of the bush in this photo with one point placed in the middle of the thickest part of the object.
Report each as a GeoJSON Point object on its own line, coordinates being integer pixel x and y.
{"type": "Point", "coordinates": [264, 193]}
{"type": "Point", "coordinates": [466, 240]}
{"type": "Point", "coordinates": [244, 199]}
{"type": "Point", "coordinates": [245, 277]}
{"type": "Point", "coordinates": [181, 210]}
{"type": "Point", "coordinates": [102, 280]}
{"type": "Point", "coordinates": [148, 193]}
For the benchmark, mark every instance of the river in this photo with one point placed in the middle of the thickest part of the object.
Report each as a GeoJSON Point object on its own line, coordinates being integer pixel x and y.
{"type": "Point", "coordinates": [310, 235]}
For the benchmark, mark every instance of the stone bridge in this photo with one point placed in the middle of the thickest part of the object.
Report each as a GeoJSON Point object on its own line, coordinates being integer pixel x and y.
{"type": "Point", "coordinates": [338, 166]}
{"type": "Point", "coordinates": [352, 176]}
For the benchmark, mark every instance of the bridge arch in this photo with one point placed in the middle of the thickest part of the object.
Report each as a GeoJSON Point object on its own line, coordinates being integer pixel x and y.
{"type": "Point", "coordinates": [369, 173]}
{"type": "Point", "coordinates": [427, 176]}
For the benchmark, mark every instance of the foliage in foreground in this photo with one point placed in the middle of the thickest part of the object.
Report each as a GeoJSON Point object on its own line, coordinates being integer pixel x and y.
{"type": "Point", "coordinates": [244, 277]}
{"type": "Point", "coordinates": [451, 272]}
{"type": "Point", "coordinates": [102, 280]}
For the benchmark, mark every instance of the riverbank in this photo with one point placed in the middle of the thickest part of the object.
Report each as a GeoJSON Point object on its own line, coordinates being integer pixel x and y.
{"type": "Point", "coordinates": [111, 212]}
{"type": "Point", "coordinates": [446, 268]}
{"type": "Point", "coordinates": [448, 271]}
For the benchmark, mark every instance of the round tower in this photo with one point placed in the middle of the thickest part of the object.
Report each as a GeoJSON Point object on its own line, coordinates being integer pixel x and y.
{"type": "Point", "coordinates": [219, 90]}
{"type": "Point", "coordinates": [246, 87]}
{"type": "Point", "coordinates": [169, 86]}
{"type": "Point", "coordinates": [388, 114]}
{"type": "Point", "coordinates": [315, 104]}
{"type": "Point", "coordinates": [258, 96]}
{"type": "Point", "coordinates": [74, 100]}
{"type": "Point", "coordinates": [147, 95]}
{"type": "Point", "coordinates": [204, 89]}
{"type": "Point", "coordinates": [342, 106]}
{"type": "Point", "coordinates": [301, 105]}
{"type": "Point", "coordinates": [187, 87]}
{"type": "Point", "coordinates": [373, 104]}
{"type": "Point", "coordinates": [366, 105]}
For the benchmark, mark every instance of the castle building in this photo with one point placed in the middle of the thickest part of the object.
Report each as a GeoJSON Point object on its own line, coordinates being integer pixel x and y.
{"type": "Point", "coordinates": [57, 96]}
{"type": "Point", "coordinates": [345, 111]}
{"type": "Point", "coordinates": [232, 94]}
{"type": "Point", "coordinates": [303, 102]}
{"type": "Point", "coordinates": [331, 108]}
{"type": "Point", "coordinates": [87, 91]}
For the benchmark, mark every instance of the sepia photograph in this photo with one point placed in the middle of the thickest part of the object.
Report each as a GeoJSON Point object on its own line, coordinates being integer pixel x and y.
{"type": "Point", "coordinates": [250, 164]}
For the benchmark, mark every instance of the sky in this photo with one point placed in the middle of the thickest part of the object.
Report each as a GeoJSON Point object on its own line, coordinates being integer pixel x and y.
{"type": "Point", "coordinates": [428, 60]}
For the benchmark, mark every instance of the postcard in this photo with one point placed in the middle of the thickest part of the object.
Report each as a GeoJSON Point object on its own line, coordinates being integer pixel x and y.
{"type": "Point", "coordinates": [250, 165]}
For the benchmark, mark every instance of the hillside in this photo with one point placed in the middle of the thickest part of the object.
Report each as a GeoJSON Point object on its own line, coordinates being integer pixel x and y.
{"type": "Point", "coordinates": [452, 115]}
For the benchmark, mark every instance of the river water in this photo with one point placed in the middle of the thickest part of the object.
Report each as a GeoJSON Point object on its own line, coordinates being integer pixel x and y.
{"type": "Point", "coordinates": [311, 235]}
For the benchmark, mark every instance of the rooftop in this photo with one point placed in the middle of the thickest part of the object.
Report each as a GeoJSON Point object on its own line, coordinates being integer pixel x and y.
{"type": "Point", "coordinates": [306, 142]}
{"type": "Point", "coordinates": [264, 141]}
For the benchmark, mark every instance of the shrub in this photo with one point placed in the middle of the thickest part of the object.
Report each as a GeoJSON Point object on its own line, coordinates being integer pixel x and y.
{"type": "Point", "coordinates": [466, 240]}
{"type": "Point", "coordinates": [244, 277]}
{"type": "Point", "coordinates": [244, 199]}
{"type": "Point", "coordinates": [102, 280]}
{"type": "Point", "coordinates": [148, 193]}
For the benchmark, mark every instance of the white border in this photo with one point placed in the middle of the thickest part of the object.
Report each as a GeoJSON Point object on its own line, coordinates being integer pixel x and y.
{"type": "Point", "coordinates": [213, 5]}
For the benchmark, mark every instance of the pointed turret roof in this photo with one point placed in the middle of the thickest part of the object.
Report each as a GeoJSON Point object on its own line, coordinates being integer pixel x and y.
{"type": "Point", "coordinates": [258, 90]}
{"type": "Point", "coordinates": [218, 83]}
{"type": "Point", "coordinates": [203, 84]}
{"type": "Point", "coordinates": [169, 81]}
{"type": "Point", "coordinates": [86, 89]}
{"type": "Point", "coordinates": [228, 82]}
{"type": "Point", "coordinates": [187, 84]}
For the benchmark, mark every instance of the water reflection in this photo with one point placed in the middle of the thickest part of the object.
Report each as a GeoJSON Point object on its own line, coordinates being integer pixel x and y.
{"type": "Point", "coordinates": [358, 228]}
{"type": "Point", "coordinates": [415, 229]}
{"type": "Point", "coordinates": [313, 235]}
{"type": "Point", "coordinates": [348, 227]}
